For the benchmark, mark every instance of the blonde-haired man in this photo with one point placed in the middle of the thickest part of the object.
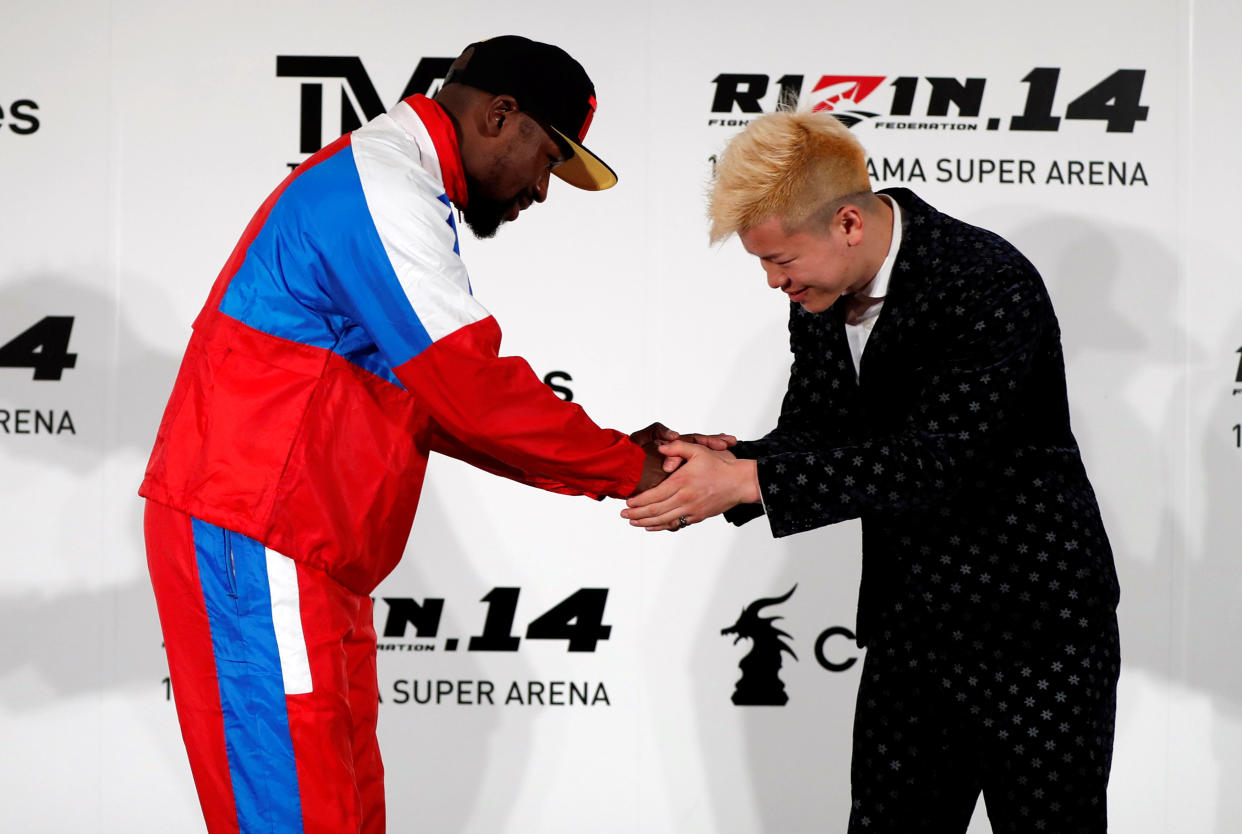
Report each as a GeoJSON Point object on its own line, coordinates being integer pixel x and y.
{"type": "Point", "coordinates": [927, 398]}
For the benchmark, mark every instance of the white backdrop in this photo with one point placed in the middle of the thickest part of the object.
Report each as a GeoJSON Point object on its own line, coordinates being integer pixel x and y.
{"type": "Point", "coordinates": [136, 138]}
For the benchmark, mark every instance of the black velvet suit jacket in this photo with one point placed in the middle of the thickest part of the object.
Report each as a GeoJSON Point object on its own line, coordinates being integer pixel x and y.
{"type": "Point", "coordinates": [953, 445]}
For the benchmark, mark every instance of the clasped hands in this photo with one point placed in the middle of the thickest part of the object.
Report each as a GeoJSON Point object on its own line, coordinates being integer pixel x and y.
{"type": "Point", "coordinates": [687, 478]}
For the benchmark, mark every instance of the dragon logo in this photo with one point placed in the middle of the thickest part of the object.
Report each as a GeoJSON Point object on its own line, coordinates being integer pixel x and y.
{"type": "Point", "coordinates": [760, 684]}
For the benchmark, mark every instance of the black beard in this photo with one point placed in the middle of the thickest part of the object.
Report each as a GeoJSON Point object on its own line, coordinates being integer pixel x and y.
{"type": "Point", "coordinates": [483, 214]}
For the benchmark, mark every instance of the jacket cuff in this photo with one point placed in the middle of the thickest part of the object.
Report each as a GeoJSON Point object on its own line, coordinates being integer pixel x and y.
{"type": "Point", "coordinates": [743, 513]}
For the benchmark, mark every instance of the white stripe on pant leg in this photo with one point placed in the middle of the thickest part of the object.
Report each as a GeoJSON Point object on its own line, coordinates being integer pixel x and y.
{"type": "Point", "coordinates": [282, 580]}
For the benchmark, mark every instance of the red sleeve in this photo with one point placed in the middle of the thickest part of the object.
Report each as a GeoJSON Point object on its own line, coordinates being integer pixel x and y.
{"type": "Point", "coordinates": [451, 446]}
{"type": "Point", "coordinates": [494, 412]}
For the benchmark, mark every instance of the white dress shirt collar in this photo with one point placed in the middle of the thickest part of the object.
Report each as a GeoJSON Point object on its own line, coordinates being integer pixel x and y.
{"type": "Point", "coordinates": [878, 288]}
{"type": "Point", "coordinates": [858, 330]}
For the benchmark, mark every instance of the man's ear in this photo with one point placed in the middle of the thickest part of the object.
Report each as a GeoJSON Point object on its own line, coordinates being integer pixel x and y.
{"type": "Point", "coordinates": [850, 221]}
{"type": "Point", "coordinates": [499, 110]}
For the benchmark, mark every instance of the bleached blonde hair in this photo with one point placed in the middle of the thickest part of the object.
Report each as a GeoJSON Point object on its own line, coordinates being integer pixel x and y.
{"type": "Point", "coordinates": [788, 165]}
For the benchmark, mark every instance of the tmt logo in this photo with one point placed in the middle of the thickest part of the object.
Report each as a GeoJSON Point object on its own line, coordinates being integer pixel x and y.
{"type": "Point", "coordinates": [359, 101]}
{"type": "Point", "coordinates": [945, 103]}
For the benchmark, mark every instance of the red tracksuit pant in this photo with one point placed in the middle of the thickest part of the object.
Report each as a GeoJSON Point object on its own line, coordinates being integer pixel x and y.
{"type": "Point", "coordinates": [273, 674]}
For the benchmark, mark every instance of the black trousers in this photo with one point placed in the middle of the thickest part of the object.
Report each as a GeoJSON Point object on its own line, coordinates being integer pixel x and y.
{"type": "Point", "coordinates": [934, 728]}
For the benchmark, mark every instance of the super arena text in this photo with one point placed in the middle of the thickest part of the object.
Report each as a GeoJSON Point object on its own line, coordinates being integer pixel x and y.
{"type": "Point", "coordinates": [989, 171]}
{"type": "Point", "coordinates": [492, 693]}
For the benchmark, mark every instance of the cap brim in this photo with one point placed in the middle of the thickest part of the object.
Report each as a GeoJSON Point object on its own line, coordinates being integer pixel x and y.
{"type": "Point", "coordinates": [584, 169]}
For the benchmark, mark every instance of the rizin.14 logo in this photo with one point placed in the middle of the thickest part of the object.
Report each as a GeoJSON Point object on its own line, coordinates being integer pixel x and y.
{"type": "Point", "coordinates": [42, 351]}
{"type": "Point", "coordinates": [930, 102]}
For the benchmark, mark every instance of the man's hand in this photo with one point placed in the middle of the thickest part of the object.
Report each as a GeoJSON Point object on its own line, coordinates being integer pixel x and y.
{"type": "Point", "coordinates": [710, 482]}
{"type": "Point", "coordinates": [659, 433]}
{"type": "Point", "coordinates": [654, 434]}
{"type": "Point", "coordinates": [717, 442]}
{"type": "Point", "coordinates": [653, 468]}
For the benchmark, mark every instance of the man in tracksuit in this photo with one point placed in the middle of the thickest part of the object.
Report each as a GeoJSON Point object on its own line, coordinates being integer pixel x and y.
{"type": "Point", "coordinates": [340, 345]}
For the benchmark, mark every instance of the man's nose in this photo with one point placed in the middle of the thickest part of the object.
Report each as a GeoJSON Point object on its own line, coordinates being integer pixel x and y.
{"type": "Point", "coordinates": [541, 187]}
{"type": "Point", "coordinates": [775, 275]}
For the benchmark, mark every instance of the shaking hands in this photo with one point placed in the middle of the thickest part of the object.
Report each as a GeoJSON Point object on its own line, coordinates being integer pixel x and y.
{"type": "Point", "coordinates": [687, 478]}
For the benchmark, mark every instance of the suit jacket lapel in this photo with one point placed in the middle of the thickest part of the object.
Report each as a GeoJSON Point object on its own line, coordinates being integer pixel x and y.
{"type": "Point", "coordinates": [902, 287]}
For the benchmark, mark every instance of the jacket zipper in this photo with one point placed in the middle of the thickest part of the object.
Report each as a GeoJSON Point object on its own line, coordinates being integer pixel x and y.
{"type": "Point", "coordinates": [230, 565]}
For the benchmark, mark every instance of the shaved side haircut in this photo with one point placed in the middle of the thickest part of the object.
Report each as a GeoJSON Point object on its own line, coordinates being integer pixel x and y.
{"type": "Point", "coordinates": [791, 165]}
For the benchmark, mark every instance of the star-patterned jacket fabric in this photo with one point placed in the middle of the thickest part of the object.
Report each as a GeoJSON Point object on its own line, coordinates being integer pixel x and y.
{"type": "Point", "coordinates": [953, 446]}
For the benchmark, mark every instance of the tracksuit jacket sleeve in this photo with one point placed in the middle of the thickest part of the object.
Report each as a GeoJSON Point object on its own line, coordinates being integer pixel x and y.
{"type": "Point", "coordinates": [403, 282]}
{"type": "Point", "coordinates": [495, 413]}
{"type": "Point", "coordinates": [448, 445]}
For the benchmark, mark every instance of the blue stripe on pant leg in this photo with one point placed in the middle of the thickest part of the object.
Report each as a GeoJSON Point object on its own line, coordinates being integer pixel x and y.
{"type": "Point", "coordinates": [233, 573]}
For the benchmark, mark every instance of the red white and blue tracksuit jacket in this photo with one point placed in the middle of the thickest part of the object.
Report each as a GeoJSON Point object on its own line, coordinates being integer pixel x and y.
{"type": "Point", "coordinates": [340, 345]}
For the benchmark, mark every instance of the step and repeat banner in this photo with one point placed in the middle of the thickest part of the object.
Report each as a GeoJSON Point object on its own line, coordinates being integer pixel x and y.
{"type": "Point", "coordinates": [543, 667]}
